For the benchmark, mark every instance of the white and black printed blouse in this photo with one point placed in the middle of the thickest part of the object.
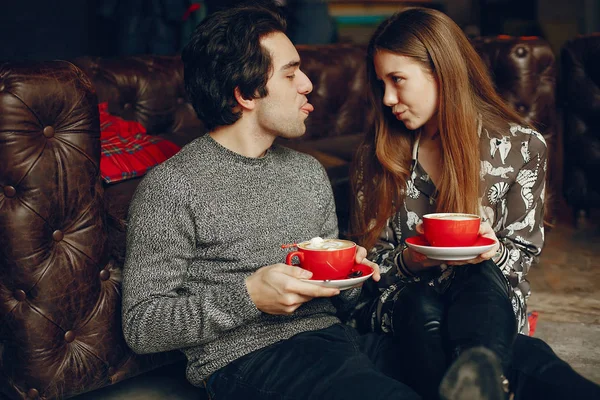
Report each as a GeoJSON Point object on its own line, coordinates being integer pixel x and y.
{"type": "Point", "coordinates": [513, 171]}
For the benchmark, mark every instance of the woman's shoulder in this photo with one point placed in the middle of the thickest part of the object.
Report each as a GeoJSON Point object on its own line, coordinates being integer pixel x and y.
{"type": "Point", "coordinates": [524, 133]}
{"type": "Point", "coordinates": [512, 134]}
{"type": "Point", "coordinates": [509, 146]}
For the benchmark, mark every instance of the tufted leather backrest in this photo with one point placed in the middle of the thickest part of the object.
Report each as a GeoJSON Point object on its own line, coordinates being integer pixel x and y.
{"type": "Point", "coordinates": [580, 58]}
{"type": "Point", "coordinates": [60, 333]}
{"type": "Point", "coordinates": [524, 72]}
{"type": "Point", "coordinates": [146, 89]}
{"type": "Point", "coordinates": [339, 77]}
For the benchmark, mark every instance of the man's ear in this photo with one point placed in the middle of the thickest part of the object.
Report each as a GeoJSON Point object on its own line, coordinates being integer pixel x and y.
{"type": "Point", "coordinates": [247, 104]}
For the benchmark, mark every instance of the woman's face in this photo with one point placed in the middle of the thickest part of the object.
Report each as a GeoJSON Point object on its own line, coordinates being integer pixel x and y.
{"type": "Point", "coordinates": [409, 90]}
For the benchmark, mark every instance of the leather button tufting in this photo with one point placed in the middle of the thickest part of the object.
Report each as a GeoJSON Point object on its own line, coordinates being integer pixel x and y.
{"type": "Point", "coordinates": [180, 100]}
{"type": "Point", "coordinates": [521, 108]}
{"type": "Point", "coordinates": [20, 295]}
{"type": "Point", "coordinates": [104, 275]}
{"type": "Point", "coordinates": [69, 336]}
{"type": "Point", "coordinates": [57, 235]}
{"type": "Point", "coordinates": [111, 370]}
{"type": "Point", "coordinates": [127, 106]}
{"type": "Point", "coordinates": [521, 51]}
{"type": "Point", "coordinates": [49, 131]}
{"type": "Point", "coordinates": [10, 191]}
{"type": "Point", "coordinates": [2, 87]}
{"type": "Point", "coordinates": [33, 394]}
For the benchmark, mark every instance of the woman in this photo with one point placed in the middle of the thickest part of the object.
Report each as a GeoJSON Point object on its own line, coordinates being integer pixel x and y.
{"type": "Point", "coordinates": [444, 141]}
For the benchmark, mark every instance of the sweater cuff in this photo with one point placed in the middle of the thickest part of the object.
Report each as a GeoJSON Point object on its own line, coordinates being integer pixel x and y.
{"type": "Point", "coordinates": [241, 304]}
{"type": "Point", "coordinates": [350, 296]}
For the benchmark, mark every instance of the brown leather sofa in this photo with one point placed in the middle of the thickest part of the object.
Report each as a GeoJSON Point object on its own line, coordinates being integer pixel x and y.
{"type": "Point", "coordinates": [580, 89]}
{"type": "Point", "coordinates": [62, 230]}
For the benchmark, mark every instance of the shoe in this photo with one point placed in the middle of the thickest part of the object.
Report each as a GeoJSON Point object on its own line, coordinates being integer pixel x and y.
{"type": "Point", "coordinates": [475, 375]}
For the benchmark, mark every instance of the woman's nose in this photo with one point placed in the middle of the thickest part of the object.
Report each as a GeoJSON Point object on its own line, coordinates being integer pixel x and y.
{"type": "Point", "coordinates": [389, 97]}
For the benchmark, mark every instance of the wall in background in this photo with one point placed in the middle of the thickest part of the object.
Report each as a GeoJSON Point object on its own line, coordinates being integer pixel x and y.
{"type": "Point", "coordinates": [65, 29]}
{"type": "Point", "coordinates": [42, 30]}
{"type": "Point", "coordinates": [591, 18]}
{"type": "Point", "coordinates": [562, 20]}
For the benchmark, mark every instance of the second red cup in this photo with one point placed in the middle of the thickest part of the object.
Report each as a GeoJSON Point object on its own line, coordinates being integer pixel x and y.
{"type": "Point", "coordinates": [451, 229]}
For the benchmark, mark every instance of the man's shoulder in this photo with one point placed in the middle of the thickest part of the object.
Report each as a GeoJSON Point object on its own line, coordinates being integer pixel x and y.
{"type": "Point", "coordinates": [176, 172]}
{"type": "Point", "coordinates": [191, 158]}
{"type": "Point", "coordinates": [295, 157]}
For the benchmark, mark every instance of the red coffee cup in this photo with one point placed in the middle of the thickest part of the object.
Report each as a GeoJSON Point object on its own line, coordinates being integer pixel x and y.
{"type": "Point", "coordinates": [327, 263]}
{"type": "Point", "coordinates": [451, 229]}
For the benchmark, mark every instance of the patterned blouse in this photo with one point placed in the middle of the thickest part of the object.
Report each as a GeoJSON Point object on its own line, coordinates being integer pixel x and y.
{"type": "Point", "coordinates": [513, 171]}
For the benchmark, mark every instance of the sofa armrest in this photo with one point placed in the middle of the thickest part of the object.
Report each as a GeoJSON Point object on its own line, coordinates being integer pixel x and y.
{"type": "Point", "coordinates": [60, 328]}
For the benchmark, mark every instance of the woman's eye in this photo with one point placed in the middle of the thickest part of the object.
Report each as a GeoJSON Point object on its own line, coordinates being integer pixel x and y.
{"type": "Point", "coordinates": [290, 77]}
{"type": "Point", "coordinates": [397, 79]}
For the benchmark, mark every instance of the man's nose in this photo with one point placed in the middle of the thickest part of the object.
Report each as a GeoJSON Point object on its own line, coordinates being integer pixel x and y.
{"type": "Point", "coordinates": [305, 86]}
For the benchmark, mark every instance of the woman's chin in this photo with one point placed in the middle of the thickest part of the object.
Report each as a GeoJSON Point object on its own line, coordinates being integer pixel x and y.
{"type": "Point", "coordinates": [411, 125]}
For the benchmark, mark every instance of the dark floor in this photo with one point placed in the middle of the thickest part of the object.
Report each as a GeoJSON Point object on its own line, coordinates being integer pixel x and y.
{"type": "Point", "coordinates": [565, 293]}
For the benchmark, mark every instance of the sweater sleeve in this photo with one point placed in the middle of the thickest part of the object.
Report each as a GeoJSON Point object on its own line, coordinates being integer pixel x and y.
{"type": "Point", "coordinates": [520, 226]}
{"type": "Point", "coordinates": [158, 313]}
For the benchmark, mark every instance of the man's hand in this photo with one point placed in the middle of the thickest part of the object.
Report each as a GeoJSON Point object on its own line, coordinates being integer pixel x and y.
{"type": "Point", "coordinates": [278, 289]}
{"type": "Point", "coordinates": [361, 258]}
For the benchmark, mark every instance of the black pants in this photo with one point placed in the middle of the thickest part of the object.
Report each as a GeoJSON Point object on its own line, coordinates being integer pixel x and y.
{"type": "Point", "coordinates": [476, 310]}
{"type": "Point", "coordinates": [332, 363]}
{"type": "Point", "coordinates": [538, 373]}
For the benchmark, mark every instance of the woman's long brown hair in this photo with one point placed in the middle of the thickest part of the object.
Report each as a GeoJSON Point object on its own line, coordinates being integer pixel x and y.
{"type": "Point", "coordinates": [465, 91]}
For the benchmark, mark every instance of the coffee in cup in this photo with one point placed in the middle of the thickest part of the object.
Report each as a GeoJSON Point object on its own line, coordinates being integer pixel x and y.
{"type": "Point", "coordinates": [451, 229]}
{"type": "Point", "coordinates": [327, 259]}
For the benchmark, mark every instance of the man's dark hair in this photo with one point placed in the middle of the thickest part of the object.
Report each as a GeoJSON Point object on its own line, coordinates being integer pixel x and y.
{"type": "Point", "coordinates": [223, 53]}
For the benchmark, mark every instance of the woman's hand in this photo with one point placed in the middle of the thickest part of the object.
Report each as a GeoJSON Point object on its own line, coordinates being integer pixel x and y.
{"type": "Point", "coordinates": [415, 261]}
{"type": "Point", "coordinates": [485, 230]}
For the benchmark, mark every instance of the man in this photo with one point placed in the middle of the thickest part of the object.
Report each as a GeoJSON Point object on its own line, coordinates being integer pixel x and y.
{"type": "Point", "coordinates": [203, 272]}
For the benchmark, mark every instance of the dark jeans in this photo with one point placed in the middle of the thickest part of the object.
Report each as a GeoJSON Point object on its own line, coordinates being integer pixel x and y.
{"type": "Point", "coordinates": [538, 373]}
{"type": "Point", "coordinates": [332, 363]}
{"type": "Point", "coordinates": [475, 310]}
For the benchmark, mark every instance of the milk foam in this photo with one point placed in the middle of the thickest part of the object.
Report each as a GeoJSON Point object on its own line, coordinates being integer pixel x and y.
{"type": "Point", "coordinates": [318, 243]}
{"type": "Point", "coordinates": [456, 218]}
{"type": "Point", "coordinates": [453, 217]}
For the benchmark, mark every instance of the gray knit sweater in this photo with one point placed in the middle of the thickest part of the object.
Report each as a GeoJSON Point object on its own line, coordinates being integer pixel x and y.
{"type": "Point", "coordinates": [199, 224]}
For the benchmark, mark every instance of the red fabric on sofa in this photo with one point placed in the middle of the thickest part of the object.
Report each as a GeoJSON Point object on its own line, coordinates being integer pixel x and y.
{"type": "Point", "coordinates": [127, 151]}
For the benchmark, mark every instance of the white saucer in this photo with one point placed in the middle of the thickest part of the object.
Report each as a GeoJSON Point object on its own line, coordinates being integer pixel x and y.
{"type": "Point", "coordinates": [344, 284]}
{"type": "Point", "coordinates": [420, 244]}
